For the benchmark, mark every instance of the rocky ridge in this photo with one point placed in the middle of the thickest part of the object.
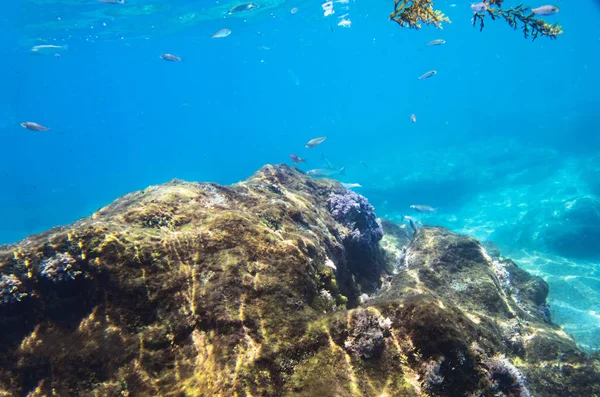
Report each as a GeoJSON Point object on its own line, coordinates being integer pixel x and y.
{"type": "Point", "coordinates": [280, 285]}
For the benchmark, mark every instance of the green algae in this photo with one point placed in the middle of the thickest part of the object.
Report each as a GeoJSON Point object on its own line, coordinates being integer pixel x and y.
{"type": "Point", "coordinates": [197, 289]}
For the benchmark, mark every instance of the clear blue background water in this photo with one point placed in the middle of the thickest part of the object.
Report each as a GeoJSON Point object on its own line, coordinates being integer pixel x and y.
{"type": "Point", "coordinates": [123, 119]}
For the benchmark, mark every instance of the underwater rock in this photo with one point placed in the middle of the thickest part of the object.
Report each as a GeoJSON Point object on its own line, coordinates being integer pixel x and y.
{"type": "Point", "coordinates": [361, 240]}
{"type": "Point", "coordinates": [574, 230]}
{"type": "Point", "coordinates": [395, 238]}
{"type": "Point", "coordinates": [354, 211]}
{"type": "Point", "coordinates": [567, 227]}
{"type": "Point", "coordinates": [196, 289]}
{"type": "Point", "coordinates": [367, 331]}
{"type": "Point", "coordinates": [471, 314]}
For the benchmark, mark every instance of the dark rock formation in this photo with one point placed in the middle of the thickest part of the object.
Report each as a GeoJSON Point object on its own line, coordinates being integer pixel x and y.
{"type": "Point", "coordinates": [252, 290]}
{"type": "Point", "coordinates": [364, 232]}
{"type": "Point", "coordinates": [574, 231]}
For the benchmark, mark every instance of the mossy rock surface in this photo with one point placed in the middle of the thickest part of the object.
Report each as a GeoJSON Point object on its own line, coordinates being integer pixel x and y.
{"type": "Point", "coordinates": [196, 289]}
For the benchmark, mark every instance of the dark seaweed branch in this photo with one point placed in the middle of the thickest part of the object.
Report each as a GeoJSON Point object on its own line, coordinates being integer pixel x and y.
{"type": "Point", "coordinates": [413, 13]}
{"type": "Point", "coordinates": [518, 16]}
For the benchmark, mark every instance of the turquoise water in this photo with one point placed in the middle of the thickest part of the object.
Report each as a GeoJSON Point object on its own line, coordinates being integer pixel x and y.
{"type": "Point", "coordinates": [506, 144]}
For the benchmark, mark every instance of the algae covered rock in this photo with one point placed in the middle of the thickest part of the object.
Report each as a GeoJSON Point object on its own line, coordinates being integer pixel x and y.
{"type": "Point", "coordinates": [480, 324]}
{"type": "Point", "coordinates": [196, 289]}
{"type": "Point", "coordinates": [395, 239]}
{"type": "Point", "coordinates": [181, 288]}
{"type": "Point", "coordinates": [364, 231]}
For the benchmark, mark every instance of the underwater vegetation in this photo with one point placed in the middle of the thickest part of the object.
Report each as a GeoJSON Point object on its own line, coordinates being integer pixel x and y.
{"type": "Point", "coordinates": [517, 17]}
{"type": "Point", "coordinates": [255, 289]}
{"type": "Point", "coordinates": [414, 13]}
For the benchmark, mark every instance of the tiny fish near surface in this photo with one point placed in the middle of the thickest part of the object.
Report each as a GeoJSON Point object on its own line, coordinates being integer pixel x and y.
{"type": "Point", "coordinates": [351, 185]}
{"type": "Point", "coordinates": [315, 141]}
{"type": "Point", "coordinates": [428, 75]}
{"type": "Point", "coordinates": [112, 1]}
{"type": "Point", "coordinates": [242, 8]}
{"type": "Point", "coordinates": [437, 42]}
{"type": "Point", "coordinates": [221, 33]}
{"type": "Point", "coordinates": [31, 126]}
{"type": "Point", "coordinates": [545, 10]}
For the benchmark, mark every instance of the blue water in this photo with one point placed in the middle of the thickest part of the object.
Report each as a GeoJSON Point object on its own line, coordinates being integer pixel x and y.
{"type": "Point", "coordinates": [506, 143]}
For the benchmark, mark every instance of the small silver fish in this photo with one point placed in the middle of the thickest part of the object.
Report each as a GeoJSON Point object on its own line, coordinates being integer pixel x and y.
{"type": "Point", "coordinates": [48, 49]}
{"type": "Point", "coordinates": [112, 1]}
{"type": "Point", "coordinates": [545, 10]}
{"type": "Point", "coordinates": [320, 172]}
{"type": "Point", "coordinates": [437, 42]}
{"type": "Point", "coordinates": [221, 33]}
{"type": "Point", "coordinates": [351, 185]}
{"type": "Point", "coordinates": [31, 126]}
{"type": "Point", "coordinates": [428, 75]}
{"type": "Point", "coordinates": [295, 159]}
{"type": "Point", "coordinates": [315, 141]}
{"type": "Point", "coordinates": [479, 7]}
{"type": "Point", "coordinates": [423, 208]}
{"type": "Point", "coordinates": [412, 224]}
{"type": "Point", "coordinates": [242, 8]}
{"type": "Point", "coordinates": [170, 57]}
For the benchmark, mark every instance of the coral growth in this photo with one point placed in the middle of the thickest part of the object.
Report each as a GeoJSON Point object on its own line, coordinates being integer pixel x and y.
{"type": "Point", "coordinates": [506, 378]}
{"type": "Point", "coordinates": [60, 268]}
{"type": "Point", "coordinates": [355, 212]}
{"type": "Point", "coordinates": [413, 13]}
{"type": "Point", "coordinates": [11, 289]}
{"type": "Point", "coordinates": [517, 16]}
{"type": "Point", "coordinates": [367, 331]}
{"type": "Point", "coordinates": [432, 377]}
{"type": "Point", "coordinates": [360, 236]}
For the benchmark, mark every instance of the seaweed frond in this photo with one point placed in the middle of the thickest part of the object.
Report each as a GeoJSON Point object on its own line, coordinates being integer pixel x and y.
{"type": "Point", "coordinates": [518, 16]}
{"type": "Point", "coordinates": [413, 13]}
